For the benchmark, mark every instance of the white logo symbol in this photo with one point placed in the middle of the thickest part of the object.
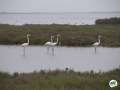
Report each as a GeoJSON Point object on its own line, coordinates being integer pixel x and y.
{"type": "Point", "coordinates": [113, 83]}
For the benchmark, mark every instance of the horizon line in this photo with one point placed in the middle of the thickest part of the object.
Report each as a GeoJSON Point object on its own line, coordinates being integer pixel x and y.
{"type": "Point", "coordinates": [4, 12]}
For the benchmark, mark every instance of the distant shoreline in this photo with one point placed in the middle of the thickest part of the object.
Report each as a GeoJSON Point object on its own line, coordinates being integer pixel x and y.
{"type": "Point", "coordinates": [54, 12]}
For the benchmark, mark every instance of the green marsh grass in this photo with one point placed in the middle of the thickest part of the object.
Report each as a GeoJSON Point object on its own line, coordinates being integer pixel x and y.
{"type": "Point", "coordinates": [71, 35]}
{"type": "Point", "coordinates": [59, 80]}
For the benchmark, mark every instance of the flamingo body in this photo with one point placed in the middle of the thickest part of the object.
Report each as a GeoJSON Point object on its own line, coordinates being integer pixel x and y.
{"type": "Point", "coordinates": [51, 43]}
{"type": "Point", "coordinates": [27, 43]}
{"type": "Point", "coordinates": [98, 42]}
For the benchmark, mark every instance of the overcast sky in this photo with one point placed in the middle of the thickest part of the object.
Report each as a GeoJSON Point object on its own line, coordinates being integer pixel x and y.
{"type": "Point", "coordinates": [59, 5]}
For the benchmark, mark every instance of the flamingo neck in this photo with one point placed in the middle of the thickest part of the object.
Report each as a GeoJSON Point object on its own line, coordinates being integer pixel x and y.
{"type": "Point", "coordinates": [28, 39]}
{"type": "Point", "coordinates": [51, 38]}
{"type": "Point", "coordinates": [57, 39]}
{"type": "Point", "coordinates": [99, 40]}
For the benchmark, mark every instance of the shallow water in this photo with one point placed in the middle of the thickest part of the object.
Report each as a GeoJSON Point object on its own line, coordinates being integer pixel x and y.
{"type": "Point", "coordinates": [56, 18]}
{"type": "Point", "coordinates": [36, 58]}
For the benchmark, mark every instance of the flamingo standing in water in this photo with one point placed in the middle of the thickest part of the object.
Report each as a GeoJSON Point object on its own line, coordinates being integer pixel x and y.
{"type": "Point", "coordinates": [52, 43]}
{"type": "Point", "coordinates": [26, 44]}
{"type": "Point", "coordinates": [28, 41]}
{"type": "Point", "coordinates": [97, 43]}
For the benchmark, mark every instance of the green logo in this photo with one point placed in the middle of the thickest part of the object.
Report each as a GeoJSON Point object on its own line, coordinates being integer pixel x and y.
{"type": "Point", "coordinates": [113, 83]}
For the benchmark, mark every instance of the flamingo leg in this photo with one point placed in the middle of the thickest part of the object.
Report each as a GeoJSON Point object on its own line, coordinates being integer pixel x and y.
{"type": "Point", "coordinates": [95, 49]}
{"type": "Point", "coordinates": [53, 51]}
{"type": "Point", "coordinates": [24, 51]}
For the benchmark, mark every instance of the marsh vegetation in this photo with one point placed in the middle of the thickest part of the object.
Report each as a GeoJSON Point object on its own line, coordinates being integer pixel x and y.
{"type": "Point", "coordinates": [71, 35]}
{"type": "Point", "coordinates": [59, 80]}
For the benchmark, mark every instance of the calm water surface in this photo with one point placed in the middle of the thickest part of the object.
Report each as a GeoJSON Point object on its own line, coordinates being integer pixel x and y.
{"type": "Point", "coordinates": [12, 58]}
{"type": "Point", "coordinates": [57, 18]}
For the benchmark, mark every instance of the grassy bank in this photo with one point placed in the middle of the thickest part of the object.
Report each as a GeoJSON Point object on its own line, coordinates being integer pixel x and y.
{"type": "Point", "coordinates": [71, 35]}
{"type": "Point", "coordinates": [59, 80]}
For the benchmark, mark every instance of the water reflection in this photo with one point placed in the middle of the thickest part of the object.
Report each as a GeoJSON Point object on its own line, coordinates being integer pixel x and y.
{"type": "Point", "coordinates": [24, 51]}
{"type": "Point", "coordinates": [95, 49]}
{"type": "Point", "coordinates": [50, 50]}
{"type": "Point", "coordinates": [77, 58]}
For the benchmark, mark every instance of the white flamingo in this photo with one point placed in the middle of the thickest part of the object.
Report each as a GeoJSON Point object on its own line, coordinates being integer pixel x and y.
{"type": "Point", "coordinates": [57, 40]}
{"type": "Point", "coordinates": [98, 42]}
{"type": "Point", "coordinates": [28, 41]}
{"type": "Point", "coordinates": [51, 43]}
{"type": "Point", "coordinates": [25, 44]}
